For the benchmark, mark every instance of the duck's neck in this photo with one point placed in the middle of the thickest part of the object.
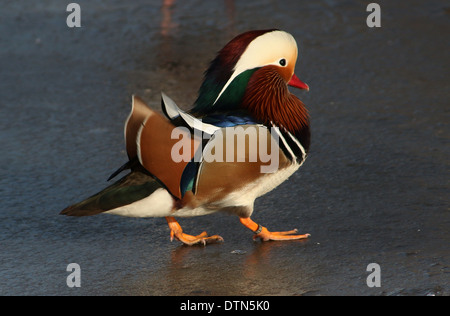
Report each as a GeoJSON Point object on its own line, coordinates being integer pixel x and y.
{"type": "Point", "coordinates": [268, 99]}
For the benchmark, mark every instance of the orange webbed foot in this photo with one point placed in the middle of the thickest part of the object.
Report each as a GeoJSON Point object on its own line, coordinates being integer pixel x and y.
{"type": "Point", "coordinates": [176, 232]}
{"type": "Point", "coordinates": [265, 235]}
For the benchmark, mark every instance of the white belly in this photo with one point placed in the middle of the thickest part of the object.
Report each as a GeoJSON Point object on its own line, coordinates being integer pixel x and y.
{"type": "Point", "coordinates": [246, 196]}
{"type": "Point", "coordinates": [265, 184]}
{"type": "Point", "coordinates": [161, 203]}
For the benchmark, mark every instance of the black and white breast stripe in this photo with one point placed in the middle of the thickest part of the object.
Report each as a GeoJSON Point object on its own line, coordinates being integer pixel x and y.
{"type": "Point", "coordinates": [291, 146]}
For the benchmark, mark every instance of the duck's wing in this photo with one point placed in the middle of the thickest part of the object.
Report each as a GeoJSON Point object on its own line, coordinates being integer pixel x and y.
{"type": "Point", "coordinates": [133, 187]}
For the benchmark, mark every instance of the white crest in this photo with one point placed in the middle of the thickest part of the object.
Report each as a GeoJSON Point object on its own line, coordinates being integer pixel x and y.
{"type": "Point", "coordinates": [267, 49]}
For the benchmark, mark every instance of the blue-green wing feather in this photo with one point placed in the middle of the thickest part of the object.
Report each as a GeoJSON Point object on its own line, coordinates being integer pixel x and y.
{"type": "Point", "coordinates": [131, 188]}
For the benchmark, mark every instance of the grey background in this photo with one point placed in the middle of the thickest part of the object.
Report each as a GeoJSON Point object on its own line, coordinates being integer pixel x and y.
{"type": "Point", "coordinates": [374, 188]}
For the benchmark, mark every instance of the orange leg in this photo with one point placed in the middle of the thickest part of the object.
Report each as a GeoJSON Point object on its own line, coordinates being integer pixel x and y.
{"type": "Point", "coordinates": [265, 235]}
{"type": "Point", "coordinates": [177, 232]}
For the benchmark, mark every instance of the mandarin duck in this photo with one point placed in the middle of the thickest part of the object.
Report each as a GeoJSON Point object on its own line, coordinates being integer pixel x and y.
{"type": "Point", "coordinates": [172, 173]}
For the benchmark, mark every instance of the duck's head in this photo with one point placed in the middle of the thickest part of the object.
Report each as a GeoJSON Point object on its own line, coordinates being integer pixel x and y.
{"type": "Point", "coordinates": [247, 70]}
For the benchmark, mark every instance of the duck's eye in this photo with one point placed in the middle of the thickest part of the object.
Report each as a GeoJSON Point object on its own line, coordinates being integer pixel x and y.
{"type": "Point", "coordinates": [283, 62]}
